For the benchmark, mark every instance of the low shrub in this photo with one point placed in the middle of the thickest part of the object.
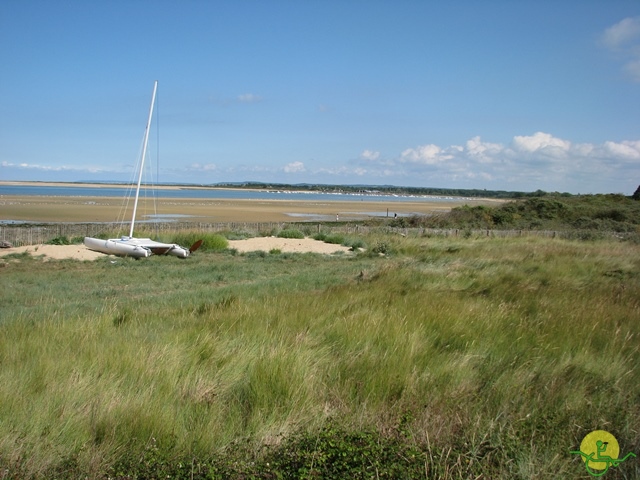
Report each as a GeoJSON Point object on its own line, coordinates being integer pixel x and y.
{"type": "Point", "coordinates": [333, 238]}
{"type": "Point", "coordinates": [290, 233]}
{"type": "Point", "coordinates": [268, 233]}
{"type": "Point", "coordinates": [381, 247]}
{"type": "Point", "coordinates": [59, 241]}
{"type": "Point", "coordinates": [239, 235]}
{"type": "Point", "coordinates": [256, 254]}
{"type": "Point", "coordinates": [336, 453]}
{"type": "Point", "coordinates": [356, 244]}
{"type": "Point", "coordinates": [210, 241]}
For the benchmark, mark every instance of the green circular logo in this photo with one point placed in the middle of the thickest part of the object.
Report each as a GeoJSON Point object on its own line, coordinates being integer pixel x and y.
{"type": "Point", "coordinates": [600, 451]}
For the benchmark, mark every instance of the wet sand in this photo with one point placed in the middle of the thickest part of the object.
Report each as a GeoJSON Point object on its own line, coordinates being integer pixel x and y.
{"type": "Point", "coordinates": [26, 208]}
{"type": "Point", "coordinates": [107, 209]}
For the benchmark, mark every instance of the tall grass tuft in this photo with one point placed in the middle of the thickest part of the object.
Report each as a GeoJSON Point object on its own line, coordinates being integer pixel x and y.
{"type": "Point", "coordinates": [210, 241]}
{"type": "Point", "coordinates": [290, 233]}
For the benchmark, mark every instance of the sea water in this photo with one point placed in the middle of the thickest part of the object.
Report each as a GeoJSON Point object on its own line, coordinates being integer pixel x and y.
{"type": "Point", "coordinates": [214, 193]}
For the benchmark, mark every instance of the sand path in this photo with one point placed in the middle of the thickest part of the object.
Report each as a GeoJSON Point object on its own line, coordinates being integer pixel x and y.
{"type": "Point", "coordinates": [293, 245]}
{"type": "Point", "coordinates": [285, 245]}
{"type": "Point", "coordinates": [58, 252]}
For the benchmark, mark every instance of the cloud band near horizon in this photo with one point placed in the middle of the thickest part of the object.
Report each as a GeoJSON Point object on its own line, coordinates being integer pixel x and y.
{"type": "Point", "coordinates": [527, 163]}
{"type": "Point", "coordinates": [538, 159]}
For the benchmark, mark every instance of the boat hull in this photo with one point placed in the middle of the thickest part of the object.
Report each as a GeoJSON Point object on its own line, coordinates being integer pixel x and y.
{"type": "Point", "coordinates": [116, 247]}
{"type": "Point", "coordinates": [135, 247]}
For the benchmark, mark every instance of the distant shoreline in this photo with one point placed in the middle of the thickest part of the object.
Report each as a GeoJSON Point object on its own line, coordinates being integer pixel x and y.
{"type": "Point", "coordinates": [111, 185]}
{"type": "Point", "coordinates": [275, 188]}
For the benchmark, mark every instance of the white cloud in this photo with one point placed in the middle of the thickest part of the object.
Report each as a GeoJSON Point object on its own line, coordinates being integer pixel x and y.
{"type": "Point", "coordinates": [583, 149]}
{"type": "Point", "coordinates": [624, 39]}
{"type": "Point", "coordinates": [249, 98]}
{"type": "Point", "coordinates": [254, 169]}
{"type": "Point", "coordinates": [370, 155]}
{"type": "Point", "coordinates": [527, 163]}
{"type": "Point", "coordinates": [294, 167]}
{"type": "Point", "coordinates": [627, 150]}
{"type": "Point", "coordinates": [198, 167]}
{"type": "Point", "coordinates": [483, 151]}
{"type": "Point", "coordinates": [632, 67]}
{"type": "Point", "coordinates": [425, 154]}
{"type": "Point", "coordinates": [541, 142]}
{"type": "Point", "coordinates": [622, 33]}
{"type": "Point", "coordinates": [52, 168]}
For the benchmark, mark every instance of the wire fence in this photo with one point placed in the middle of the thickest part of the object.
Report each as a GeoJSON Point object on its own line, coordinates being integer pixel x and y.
{"type": "Point", "coordinates": [24, 235]}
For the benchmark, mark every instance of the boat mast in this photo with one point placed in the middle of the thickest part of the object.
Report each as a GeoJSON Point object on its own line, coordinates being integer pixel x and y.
{"type": "Point", "coordinates": [144, 154]}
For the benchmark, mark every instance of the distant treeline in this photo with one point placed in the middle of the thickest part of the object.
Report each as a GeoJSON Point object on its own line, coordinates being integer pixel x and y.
{"type": "Point", "coordinates": [390, 190]}
{"type": "Point", "coordinates": [606, 212]}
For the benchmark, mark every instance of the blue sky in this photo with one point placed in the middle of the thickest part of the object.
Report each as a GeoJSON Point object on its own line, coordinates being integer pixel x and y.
{"type": "Point", "coordinates": [510, 95]}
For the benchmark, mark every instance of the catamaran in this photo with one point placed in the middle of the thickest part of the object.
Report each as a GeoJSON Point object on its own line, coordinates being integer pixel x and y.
{"type": "Point", "coordinates": [129, 246]}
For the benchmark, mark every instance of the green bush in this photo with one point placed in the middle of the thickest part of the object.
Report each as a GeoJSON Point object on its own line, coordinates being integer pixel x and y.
{"type": "Point", "coordinates": [381, 247]}
{"type": "Point", "coordinates": [333, 238]}
{"type": "Point", "coordinates": [290, 233]}
{"type": "Point", "coordinates": [59, 241]}
{"type": "Point", "coordinates": [335, 453]}
{"type": "Point", "coordinates": [236, 235]}
{"type": "Point", "coordinates": [356, 244]}
{"type": "Point", "coordinates": [210, 241]}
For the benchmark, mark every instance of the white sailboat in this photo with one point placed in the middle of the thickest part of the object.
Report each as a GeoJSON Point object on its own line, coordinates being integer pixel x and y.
{"type": "Point", "coordinates": [129, 246]}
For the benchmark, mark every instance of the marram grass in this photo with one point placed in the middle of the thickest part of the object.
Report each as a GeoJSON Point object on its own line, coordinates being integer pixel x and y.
{"type": "Point", "coordinates": [456, 358]}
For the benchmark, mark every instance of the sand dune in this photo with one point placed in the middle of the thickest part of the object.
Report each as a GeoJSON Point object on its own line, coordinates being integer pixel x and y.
{"type": "Point", "coordinates": [266, 244]}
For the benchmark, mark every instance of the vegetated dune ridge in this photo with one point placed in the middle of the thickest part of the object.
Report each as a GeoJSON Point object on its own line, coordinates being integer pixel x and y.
{"type": "Point", "coordinates": [266, 244]}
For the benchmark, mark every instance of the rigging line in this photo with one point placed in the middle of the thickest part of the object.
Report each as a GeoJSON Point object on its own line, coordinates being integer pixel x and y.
{"type": "Point", "coordinates": [123, 215]}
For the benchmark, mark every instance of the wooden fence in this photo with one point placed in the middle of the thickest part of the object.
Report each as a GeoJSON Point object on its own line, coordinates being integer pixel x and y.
{"type": "Point", "coordinates": [20, 235]}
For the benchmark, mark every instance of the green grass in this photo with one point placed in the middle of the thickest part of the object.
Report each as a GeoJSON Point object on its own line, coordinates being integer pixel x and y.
{"type": "Point", "coordinates": [452, 358]}
{"type": "Point", "coordinates": [290, 233]}
{"type": "Point", "coordinates": [209, 241]}
{"type": "Point", "coordinates": [355, 243]}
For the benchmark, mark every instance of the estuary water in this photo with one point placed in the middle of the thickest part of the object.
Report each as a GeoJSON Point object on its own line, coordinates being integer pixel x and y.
{"type": "Point", "coordinates": [214, 193]}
